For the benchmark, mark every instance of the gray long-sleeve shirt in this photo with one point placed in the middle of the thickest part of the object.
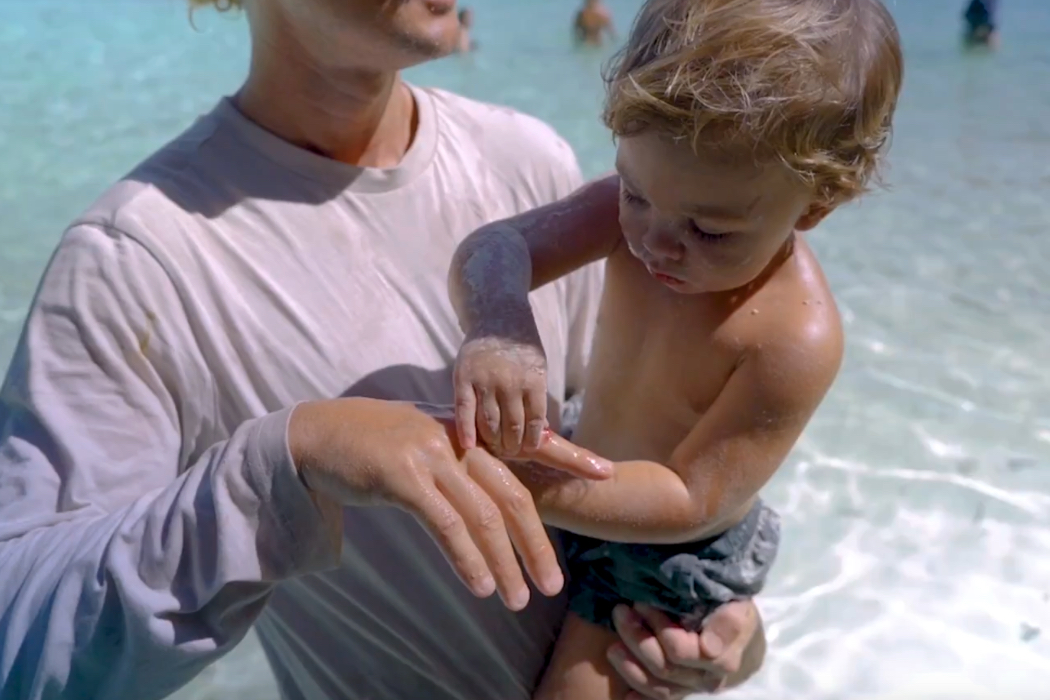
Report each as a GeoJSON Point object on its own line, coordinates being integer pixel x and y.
{"type": "Point", "coordinates": [149, 509]}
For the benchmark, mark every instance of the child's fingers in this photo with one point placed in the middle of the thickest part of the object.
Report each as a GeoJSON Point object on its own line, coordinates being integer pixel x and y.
{"type": "Point", "coordinates": [512, 420]}
{"type": "Point", "coordinates": [535, 418]}
{"type": "Point", "coordinates": [466, 415]}
{"type": "Point", "coordinates": [558, 453]}
{"type": "Point", "coordinates": [488, 421]}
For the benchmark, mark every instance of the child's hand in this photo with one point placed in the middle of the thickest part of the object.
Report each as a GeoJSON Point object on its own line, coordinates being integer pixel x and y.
{"type": "Point", "coordinates": [501, 388]}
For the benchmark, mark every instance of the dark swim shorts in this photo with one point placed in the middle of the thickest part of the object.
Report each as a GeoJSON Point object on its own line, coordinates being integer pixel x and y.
{"type": "Point", "coordinates": [687, 581]}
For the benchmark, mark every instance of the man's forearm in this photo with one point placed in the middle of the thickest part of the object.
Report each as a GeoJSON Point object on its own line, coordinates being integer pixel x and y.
{"type": "Point", "coordinates": [134, 602]}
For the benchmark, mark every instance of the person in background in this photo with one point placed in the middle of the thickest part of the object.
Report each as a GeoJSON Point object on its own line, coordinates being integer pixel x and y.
{"type": "Point", "coordinates": [466, 43]}
{"type": "Point", "coordinates": [211, 422]}
{"type": "Point", "coordinates": [593, 24]}
{"type": "Point", "coordinates": [981, 26]}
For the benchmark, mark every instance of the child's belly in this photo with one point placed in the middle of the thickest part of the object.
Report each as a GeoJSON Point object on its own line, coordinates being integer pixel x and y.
{"type": "Point", "coordinates": [624, 424]}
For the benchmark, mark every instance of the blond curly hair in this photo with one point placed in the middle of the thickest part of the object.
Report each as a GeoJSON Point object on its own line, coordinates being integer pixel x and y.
{"type": "Point", "coordinates": [812, 83]}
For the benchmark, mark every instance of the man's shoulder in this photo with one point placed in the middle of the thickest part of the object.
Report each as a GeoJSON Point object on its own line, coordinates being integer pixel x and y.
{"type": "Point", "coordinates": [174, 191]}
{"type": "Point", "coordinates": [521, 147]}
{"type": "Point", "coordinates": [493, 123]}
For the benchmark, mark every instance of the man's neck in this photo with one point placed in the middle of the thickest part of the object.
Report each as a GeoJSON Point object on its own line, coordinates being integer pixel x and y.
{"type": "Point", "coordinates": [355, 116]}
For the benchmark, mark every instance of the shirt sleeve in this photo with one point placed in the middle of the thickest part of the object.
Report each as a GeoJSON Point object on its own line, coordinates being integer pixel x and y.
{"type": "Point", "coordinates": [130, 559]}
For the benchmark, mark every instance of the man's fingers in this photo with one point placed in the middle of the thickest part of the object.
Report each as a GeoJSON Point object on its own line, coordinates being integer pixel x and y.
{"type": "Point", "coordinates": [645, 649]}
{"type": "Point", "coordinates": [526, 529]}
{"type": "Point", "coordinates": [450, 532]}
{"type": "Point", "coordinates": [558, 453]}
{"type": "Point", "coordinates": [642, 683]}
{"type": "Point", "coordinates": [678, 646]}
{"type": "Point", "coordinates": [466, 416]}
{"type": "Point", "coordinates": [486, 526]}
{"type": "Point", "coordinates": [639, 640]}
{"type": "Point", "coordinates": [726, 633]}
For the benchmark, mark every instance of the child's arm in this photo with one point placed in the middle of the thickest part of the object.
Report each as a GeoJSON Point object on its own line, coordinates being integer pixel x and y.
{"type": "Point", "coordinates": [730, 454]}
{"type": "Point", "coordinates": [505, 260]}
{"type": "Point", "coordinates": [500, 376]}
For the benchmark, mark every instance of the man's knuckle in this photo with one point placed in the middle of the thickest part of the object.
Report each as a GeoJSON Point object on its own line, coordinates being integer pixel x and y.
{"type": "Point", "coordinates": [489, 519]}
{"type": "Point", "coordinates": [677, 653]}
{"type": "Point", "coordinates": [433, 447]}
{"type": "Point", "coordinates": [447, 522]}
{"type": "Point", "coordinates": [518, 502]}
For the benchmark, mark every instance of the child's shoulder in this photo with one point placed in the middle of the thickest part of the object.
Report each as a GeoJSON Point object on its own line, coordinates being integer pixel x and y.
{"type": "Point", "coordinates": [794, 315]}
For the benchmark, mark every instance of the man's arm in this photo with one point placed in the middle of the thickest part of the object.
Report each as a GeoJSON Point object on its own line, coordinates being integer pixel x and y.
{"type": "Point", "coordinates": [496, 267]}
{"type": "Point", "coordinates": [124, 569]}
{"type": "Point", "coordinates": [730, 454]}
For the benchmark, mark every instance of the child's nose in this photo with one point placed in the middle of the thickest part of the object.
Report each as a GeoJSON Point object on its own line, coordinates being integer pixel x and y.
{"type": "Point", "coordinates": [661, 242]}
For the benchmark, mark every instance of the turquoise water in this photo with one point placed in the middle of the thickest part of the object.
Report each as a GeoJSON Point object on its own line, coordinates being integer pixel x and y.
{"type": "Point", "coordinates": [917, 507]}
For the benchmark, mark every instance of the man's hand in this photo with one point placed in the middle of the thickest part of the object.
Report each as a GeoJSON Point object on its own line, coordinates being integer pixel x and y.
{"type": "Point", "coordinates": [361, 452]}
{"type": "Point", "coordinates": [663, 661]}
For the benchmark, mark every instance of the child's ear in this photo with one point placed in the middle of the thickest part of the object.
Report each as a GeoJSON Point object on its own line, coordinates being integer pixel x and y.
{"type": "Point", "coordinates": [812, 216]}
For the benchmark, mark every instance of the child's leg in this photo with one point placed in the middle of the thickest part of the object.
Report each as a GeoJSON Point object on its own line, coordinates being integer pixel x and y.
{"type": "Point", "coordinates": [578, 669]}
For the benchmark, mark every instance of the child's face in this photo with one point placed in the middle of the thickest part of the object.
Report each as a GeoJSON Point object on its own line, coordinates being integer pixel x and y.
{"type": "Point", "coordinates": [707, 222]}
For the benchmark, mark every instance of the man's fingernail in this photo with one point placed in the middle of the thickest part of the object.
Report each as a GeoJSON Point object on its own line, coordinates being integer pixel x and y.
{"type": "Point", "coordinates": [712, 643]}
{"type": "Point", "coordinates": [552, 583]}
{"type": "Point", "coordinates": [519, 599]}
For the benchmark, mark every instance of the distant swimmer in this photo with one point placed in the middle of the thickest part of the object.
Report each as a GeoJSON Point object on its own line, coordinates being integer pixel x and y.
{"type": "Point", "coordinates": [981, 27]}
{"type": "Point", "coordinates": [466, 23]}
{"type": "Point", "coordinates": [593, 23]}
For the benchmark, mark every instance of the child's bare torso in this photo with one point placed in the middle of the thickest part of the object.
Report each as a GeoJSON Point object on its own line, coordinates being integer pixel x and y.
{"type": "Point", "coordinates": [660, 359]}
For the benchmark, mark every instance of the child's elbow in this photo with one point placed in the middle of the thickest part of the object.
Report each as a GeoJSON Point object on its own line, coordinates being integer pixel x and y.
{"type": "Point", "coordinates": [686, 523]}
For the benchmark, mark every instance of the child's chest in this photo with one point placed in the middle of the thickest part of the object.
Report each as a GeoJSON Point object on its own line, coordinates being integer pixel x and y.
{"type": "Point", "coordinates": [660, 360]}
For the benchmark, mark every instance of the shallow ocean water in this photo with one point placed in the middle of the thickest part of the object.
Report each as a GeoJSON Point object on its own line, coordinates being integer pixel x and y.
{"type": "Point", "coordinates": [916, 558]}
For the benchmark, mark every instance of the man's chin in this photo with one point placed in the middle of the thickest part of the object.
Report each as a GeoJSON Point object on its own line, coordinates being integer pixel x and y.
{"type": "Point", "coordinates": [427, 46]}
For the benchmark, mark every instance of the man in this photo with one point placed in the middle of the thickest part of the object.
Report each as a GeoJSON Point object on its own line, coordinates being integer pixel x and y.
{"type": "Point", "coordinates": [169, 452]}
{"type": "Point", "coordinates": [593, 23]}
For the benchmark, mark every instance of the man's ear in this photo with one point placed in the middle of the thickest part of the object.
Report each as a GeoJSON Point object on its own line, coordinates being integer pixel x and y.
{"type": "Point", "coordinates": [812, 216]}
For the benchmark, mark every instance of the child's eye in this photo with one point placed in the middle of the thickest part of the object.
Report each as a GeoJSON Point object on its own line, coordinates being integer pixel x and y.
{"type": "Point", "coordinates": [631, 198]}
{"type": "Point", "coordinates": [707, 235]}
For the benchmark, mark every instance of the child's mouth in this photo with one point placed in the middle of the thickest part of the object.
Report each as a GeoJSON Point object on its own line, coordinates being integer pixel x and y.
{"type": "Point", "coordinates": [669, 280]}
